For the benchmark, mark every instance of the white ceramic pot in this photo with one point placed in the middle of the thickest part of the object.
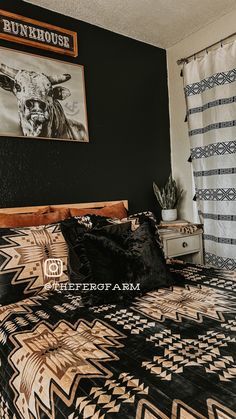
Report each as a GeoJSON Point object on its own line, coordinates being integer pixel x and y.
{"type": "Point", "coordinates": [169, 214]}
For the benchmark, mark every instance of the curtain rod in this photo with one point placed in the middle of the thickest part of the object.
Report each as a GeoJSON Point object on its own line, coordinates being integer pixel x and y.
{"type": "Point", "coordinates": [185, 60]}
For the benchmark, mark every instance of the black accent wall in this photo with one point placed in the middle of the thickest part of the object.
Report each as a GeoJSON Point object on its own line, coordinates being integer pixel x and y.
{"type": "Point", "coordinates": [127, 104]}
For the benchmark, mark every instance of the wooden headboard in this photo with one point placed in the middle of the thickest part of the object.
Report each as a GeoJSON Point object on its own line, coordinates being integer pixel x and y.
{"type": "Point", "coordinates": [21, 210]}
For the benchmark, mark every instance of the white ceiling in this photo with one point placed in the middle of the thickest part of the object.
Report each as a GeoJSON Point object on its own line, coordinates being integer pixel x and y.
{"type": "Point", "coordinates": [158, 22]}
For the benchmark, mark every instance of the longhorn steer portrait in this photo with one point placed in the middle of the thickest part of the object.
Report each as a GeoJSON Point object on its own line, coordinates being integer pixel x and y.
{"type": "Point", "coordinates": [39, 96]}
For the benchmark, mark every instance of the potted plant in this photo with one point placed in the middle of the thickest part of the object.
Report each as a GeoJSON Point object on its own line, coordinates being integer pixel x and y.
{"type": "Point", "coordinates": [168, 198]}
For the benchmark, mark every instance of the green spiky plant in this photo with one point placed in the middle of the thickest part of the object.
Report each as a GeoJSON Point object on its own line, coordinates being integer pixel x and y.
{"type": "Point", "coordinates": [169, 196]}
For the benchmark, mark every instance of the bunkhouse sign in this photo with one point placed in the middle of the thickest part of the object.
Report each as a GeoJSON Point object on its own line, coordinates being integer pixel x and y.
{"type": "Point", "coordinates": [23, 30]}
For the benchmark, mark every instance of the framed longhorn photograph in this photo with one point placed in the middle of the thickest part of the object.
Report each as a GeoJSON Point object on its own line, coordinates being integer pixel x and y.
{"type": "Point", "coordinates": [41, 98]}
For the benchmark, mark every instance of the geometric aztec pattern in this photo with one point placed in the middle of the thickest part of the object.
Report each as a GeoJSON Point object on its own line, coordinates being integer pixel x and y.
{"type": "Point", "coordinates": [220, 261]}
{"type": "Point", "coordinates": [177, 303]}
{"type": "Point", "coordinates": [217, 79]}
{"type": "Point", "coordinates": [108, 399]}
{"type": "Point", "coordinates": [181, 410]}
{"type": "Point", "coordinates": [215, 172]}
{"type": "Point", "coordinates": [217, 149]}
{"type": "Point", "coordinates": [5, 412]}
{"type": "Point", "coordinates": [212, 104]}
{"type": "Point", "coordinates": [168, 354]}
{"type": "Point", "coordinates": [220, 194]}
{"type": "Point", "coordinates": [178, 353]}
{"type": "Point", "coordinates": [219, 239]}
{"type": "Point", "coordinates": [230, 325]}
{"type": "Point", "coordinates": [218, 125]}
{"type": "Point", "coordinates": [41, 357]}
{"type": "Point", "coordinates": [217, 217]}
{"type": "Point", "coordinates": [220, 283]}
{"type": "Point", "coordinates": [29, 319]}
{"type": "Point", "coordinates": [71, 305]}
{"type": "Point", "coordinates": [130, 321]}
{"type": "Point", "coordinates": [219, 278]}
{"type": "Point", "coordinates": [19, 307]}
{"type": "Point", "coordinates": [102, 308]}
{"type": "Point", "coordinates": [22, 255]}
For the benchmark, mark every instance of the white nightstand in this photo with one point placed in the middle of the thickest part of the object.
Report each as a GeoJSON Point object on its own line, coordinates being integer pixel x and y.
{"type": "Point", "coordinates": [182, 245]}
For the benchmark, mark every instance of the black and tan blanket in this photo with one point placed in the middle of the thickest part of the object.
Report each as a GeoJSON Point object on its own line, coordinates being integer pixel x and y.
{"type": "Point", "coordinates": [168, 354]}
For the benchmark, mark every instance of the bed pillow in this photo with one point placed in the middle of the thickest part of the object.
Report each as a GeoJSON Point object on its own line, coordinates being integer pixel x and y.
{"type": "Point", "coordinates": [74, 226]}
{"type": "Point", "coordinates": [91, 262]}
{"type": "Point", "coordinates": [74, 230]}
{"type": "Point", "coordinates": [32, 219]}
{"type": "Point", "coordinates": [22, 255]}
{"type": "Point", "coordinates": [109, 267]}
{"type": "Point", "coordinates": [112, 211]}
{"type": "Point", "coordinates": [134, 258]}
{"type": "Point", "coordinates": [115, 254]}
{"type": "Point", "coordinates": [140, 217]}
{"type": "Point", "coordinates": [149, 264]}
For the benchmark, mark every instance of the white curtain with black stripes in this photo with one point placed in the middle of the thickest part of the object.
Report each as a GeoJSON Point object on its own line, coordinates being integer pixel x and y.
{"type": "Point", "coordinates": [210, 91]}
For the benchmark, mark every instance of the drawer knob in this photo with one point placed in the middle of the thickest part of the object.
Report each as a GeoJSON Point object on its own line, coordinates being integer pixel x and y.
{"type": "Point", "coordinates": [185, 244]}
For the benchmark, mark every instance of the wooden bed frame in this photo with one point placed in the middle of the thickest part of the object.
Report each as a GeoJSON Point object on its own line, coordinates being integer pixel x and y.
{"type": "Point", "coordinates": [22, 210]}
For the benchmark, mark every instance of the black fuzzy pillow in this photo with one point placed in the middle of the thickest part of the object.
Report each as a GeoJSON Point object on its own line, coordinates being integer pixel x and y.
{"type": "Point", "coordinates": [72, 228]}
{"type": "Point", "coordinates": [148, 262]}
{"type": "Point", "coordinates": [115, 255]}
{"type": "Point", "coordinates": [110, 268]}
{"type": "Point", "coordinates": [135, 258]}
{"type": "Point", "coordinates": [74, 231]}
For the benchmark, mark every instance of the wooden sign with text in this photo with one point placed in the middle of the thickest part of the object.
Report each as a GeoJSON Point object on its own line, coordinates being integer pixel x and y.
{"type": "Point", "coordinates": [23, 30]}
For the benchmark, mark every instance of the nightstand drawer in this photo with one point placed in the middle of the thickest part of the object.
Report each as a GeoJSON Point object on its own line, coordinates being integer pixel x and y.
{"type": "Point", "coordinates": [183, 245]}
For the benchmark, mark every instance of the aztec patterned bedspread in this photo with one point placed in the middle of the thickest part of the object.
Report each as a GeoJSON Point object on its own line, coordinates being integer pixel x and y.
{"type": "Point", "coordinates": [168, 354]}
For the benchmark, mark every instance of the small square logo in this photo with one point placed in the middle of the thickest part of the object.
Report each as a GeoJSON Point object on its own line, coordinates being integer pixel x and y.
{"type": "Point", "coordinates": [53, 267]}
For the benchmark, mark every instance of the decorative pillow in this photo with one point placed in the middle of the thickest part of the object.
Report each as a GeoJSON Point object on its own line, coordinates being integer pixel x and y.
{"type": "Point", "coordinates": [22, 255]}
{"type": "Point", "coordinates": [151, 270]}
{"type": "Point", "coordinates": [73, 227]}
{"type": "Point", "coordinates": [140, 217]}
{"type": "Point", "coordinates": [115, 254]}
{"type": "Point", "coordinates": [110, 267]}
{"type": "Point", "coordinates": [32, 219]}
{"type": "Point", "coordinates": [112, 211]}
{"type": "Point", "coordinates": [138, 261]}
{"type": "Point", "coordinates": [73, 230]}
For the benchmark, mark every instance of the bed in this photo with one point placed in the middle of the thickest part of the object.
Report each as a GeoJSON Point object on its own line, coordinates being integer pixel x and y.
{"type": "Point", "coordinates": [170, 353]}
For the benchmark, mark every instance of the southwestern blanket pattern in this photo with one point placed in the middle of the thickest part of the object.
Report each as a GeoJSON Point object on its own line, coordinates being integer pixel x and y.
{"type": "Point", "coordinates": [169, 354]}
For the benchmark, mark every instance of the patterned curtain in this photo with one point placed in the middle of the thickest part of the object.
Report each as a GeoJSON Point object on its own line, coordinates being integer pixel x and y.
{"type": "Point", "coordinates": [210, 91]}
